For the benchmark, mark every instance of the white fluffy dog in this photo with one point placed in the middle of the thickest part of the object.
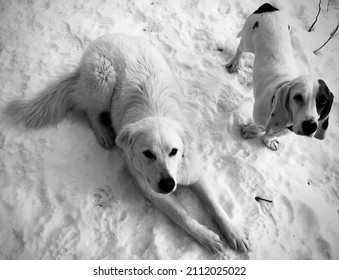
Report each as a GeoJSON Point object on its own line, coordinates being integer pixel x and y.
{"type": "Point", "coordinates": [282, 99]}
{"type": "Point", "coordinates": [127, 89]}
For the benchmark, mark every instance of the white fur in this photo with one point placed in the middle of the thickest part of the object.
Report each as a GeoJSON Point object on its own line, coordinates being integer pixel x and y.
{"type": "Point", "coordinates": [129, 78]}
{"type": "Point", "coordinates": [276, 80]}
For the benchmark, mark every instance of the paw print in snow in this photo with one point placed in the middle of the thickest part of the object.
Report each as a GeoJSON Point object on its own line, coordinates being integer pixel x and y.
{"type": "Point", "coordinates": [104, 197]}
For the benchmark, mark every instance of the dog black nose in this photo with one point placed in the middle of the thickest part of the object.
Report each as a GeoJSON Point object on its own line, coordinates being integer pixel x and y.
{"type": "Point", "coordinates": [309, 127]}
{"type": "Point", "coordinates": [166, 185]}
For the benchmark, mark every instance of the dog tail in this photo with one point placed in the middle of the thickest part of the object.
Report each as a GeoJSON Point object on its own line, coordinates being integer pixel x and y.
{"type": "Point", "coordinates": [49, 107]}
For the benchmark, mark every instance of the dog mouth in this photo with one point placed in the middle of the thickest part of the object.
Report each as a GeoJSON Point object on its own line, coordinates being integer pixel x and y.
{"type": "Point", "coordinates": [302, 133]}
{"type": "Point", "coordinates": [164, 192]}
{"type": "Point", "coordinates": [297, 131]}
{"type": "Point", "coordinates": [307, 128]}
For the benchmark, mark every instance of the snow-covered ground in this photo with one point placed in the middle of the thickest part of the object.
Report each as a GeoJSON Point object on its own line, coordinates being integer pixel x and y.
{"type": "Point", "coordinates": [62, 196]}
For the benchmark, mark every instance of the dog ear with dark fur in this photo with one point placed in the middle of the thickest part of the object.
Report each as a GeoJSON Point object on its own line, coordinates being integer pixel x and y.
{"type": "Point", "coordinates": [325, 111]}
{"type": "Point", "coordinates": [280, 114]}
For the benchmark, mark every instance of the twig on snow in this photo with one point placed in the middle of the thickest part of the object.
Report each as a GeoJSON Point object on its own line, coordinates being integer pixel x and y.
{"type": "Point", "coordinates": [316, 18]}
{"type": "Point", "coordinates": [258, 198]}
{"type": "Point", "coordinates": [332, 35]}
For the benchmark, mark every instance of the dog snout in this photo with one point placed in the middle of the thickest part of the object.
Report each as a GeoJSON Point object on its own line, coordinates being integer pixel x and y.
{"type": "Point", "coordinates": [166, 185]}
{"type": "Point", "coordinates": [309, 127]}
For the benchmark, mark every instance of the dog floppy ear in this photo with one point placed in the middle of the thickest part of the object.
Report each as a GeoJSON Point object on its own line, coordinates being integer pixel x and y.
{"type": "Point", "coordinates": [325, 111]}
{"type": "Point", "coordinates": [280, 114]}
{"type": "Point", "coordinates": [187, 135]}
{"type": "Point", "coordinates": [322, 127]}
{"type": "Point", "coordinates": [124, 139]}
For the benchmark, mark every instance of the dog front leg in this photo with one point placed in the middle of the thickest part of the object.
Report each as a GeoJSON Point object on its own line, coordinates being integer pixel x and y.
{"type": "Point", "coordinates": [234, 236]}
{"type": "Point", "coordinates": [171, 207]}
{"type": "Point", "coordinates": [250, 131]}
{"type": "Point", "coordinates": [271, 140]}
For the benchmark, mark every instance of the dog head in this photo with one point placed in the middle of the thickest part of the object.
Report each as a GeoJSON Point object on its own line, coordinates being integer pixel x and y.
{"type": "Point", "coordinates": [305, 103]}
{"type": "Point", "coordinates": [155, 147]}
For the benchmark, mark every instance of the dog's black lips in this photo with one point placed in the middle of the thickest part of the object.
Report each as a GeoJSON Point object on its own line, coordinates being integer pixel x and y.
{"type": "Point", "coordinates": [290, 128]}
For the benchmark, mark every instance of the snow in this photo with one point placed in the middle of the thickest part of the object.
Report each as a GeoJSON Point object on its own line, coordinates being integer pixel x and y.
{"type": "Point", "coordinates": [62, 196]}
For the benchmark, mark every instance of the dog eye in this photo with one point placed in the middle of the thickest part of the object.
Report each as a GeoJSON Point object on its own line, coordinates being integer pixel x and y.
{"type": "Point", "coordinates": [323, 101]}
{"type": "Point", "coordinates": [173, 152]}
{"type": "Point", "coordinates": [149, 154]}
{"type": "Point", "coordinates": [298, 98]}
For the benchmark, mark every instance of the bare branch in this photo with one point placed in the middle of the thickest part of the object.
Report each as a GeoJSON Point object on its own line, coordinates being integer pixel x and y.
{"type": "Point", "coordinates": [332, 35]}
{"type": "Point", "coordinates": [316, 18]}
{"type": "Point", "coordinates": [328, 4]}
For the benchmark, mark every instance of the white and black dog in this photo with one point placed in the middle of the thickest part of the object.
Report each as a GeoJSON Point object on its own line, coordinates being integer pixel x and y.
{"type": "Point", "coordinates": [282, 98]}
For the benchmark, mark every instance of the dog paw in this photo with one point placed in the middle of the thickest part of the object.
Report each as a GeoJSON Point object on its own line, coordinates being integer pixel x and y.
{"type": "Point", "coordinates": [271, 143]}
{"type": "Point", "coordinates": [104, 197]}
{"type": "Point", "coordinates": [211, 241]}
{"type": "Point", "coordinates": [249, 131]}
{"type": "Point", "coordinates": [102, 129]}
{"type": "Point", "coordinates": [236, 239]}
{"type": "Point", "coordinates": [248, 134]}
{"type": "Point", "coordinates": [232, 66]}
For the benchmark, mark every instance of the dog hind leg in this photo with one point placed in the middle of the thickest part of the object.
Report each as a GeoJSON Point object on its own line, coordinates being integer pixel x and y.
{"type": "Point", "coordinates": [101, 125]}
{"type": "Point", "coordinates": [245, 45]}
{"type": "Point", "coordinates": [233, 64]}
{"type": "Point", "coordinates": [99, 78]}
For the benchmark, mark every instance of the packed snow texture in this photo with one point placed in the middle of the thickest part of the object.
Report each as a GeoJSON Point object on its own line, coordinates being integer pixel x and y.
{"type": "Point", "coordinates": [62, 196]}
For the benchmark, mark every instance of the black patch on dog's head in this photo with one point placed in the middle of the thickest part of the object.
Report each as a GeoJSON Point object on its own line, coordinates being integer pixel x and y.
{"type": "Point", "coordinates": [265, 8]}
{"type": "Point", "coordinates": [324, 100]}
{"type": "Point", "coordinates": [255, 25]}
